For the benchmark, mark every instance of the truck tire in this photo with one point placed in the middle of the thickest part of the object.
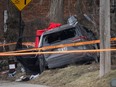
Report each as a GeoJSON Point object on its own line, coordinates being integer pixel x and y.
{"type": "Point", "coordinates": [41, 61]}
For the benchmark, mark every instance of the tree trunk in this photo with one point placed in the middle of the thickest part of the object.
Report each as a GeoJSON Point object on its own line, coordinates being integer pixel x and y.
{"type": "Point", "coordinates": [79, 9]}
{"type": "Point", "coordinates": [12, 23]}
{"type": "Point", "coordinates": [113, 17]}
{"type": "Point", "coordinates": [56, 11]}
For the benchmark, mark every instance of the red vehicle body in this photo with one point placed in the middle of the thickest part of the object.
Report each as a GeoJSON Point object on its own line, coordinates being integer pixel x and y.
{"type": "Point", "coordinates": [57, 34]}
{"type": "Point", "coordinates": [40, 32]}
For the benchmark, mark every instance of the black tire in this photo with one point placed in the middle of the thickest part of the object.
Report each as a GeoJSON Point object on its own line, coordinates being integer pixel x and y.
{"type": "Point", "coordinates": [42, 63]}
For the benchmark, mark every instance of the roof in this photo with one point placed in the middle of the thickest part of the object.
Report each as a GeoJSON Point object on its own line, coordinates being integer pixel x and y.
{"type": "Point", "coordinates": [63, 27]}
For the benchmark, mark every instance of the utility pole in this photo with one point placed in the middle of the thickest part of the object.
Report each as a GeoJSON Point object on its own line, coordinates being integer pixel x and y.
{"type": "Point", "coordinates": [105, 57]}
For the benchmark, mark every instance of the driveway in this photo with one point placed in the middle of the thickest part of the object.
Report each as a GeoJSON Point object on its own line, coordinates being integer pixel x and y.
{"type": "Point", "coordinates": [18, 84]}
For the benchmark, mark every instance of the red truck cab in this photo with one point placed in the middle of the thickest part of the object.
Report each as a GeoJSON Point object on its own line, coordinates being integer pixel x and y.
{"type": "Point", "coordinates": [40, 32]}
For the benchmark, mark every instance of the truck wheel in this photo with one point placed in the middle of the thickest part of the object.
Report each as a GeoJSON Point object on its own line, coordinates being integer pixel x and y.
{"type": "Point", "coordinates": [41, 63]}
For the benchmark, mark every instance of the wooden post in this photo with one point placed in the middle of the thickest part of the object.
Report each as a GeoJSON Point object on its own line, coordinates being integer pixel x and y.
{"type": "Point", "coordinates": [105, 57]}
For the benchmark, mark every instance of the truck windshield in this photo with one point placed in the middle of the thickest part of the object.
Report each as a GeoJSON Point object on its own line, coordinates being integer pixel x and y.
{"type": "Point", "coordinates": [59, 36]}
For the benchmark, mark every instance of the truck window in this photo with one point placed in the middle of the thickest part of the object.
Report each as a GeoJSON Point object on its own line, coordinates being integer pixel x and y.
{"type": "Point", "coordinates": [59, 36]}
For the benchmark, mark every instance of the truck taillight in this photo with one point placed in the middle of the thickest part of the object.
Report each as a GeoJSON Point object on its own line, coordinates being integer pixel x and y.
{"type": "Point", "coordinates": [36, 42]}
{"type": "Point", "coordinates": [38, 35]}
{"type": "Point", "coordinates": [79, 38]}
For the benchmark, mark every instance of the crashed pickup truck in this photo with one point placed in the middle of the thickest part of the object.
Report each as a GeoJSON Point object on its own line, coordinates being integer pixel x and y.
{"type": "Point", "coordinates": [71, 32]}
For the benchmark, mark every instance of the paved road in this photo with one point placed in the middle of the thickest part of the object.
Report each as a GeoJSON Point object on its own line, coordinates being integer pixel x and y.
{"type": "Point", "coordinates": [18, 84]}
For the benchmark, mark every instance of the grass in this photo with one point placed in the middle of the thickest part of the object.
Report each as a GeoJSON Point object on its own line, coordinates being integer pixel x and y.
{"type": "Point", "coordinates": [75, 76]}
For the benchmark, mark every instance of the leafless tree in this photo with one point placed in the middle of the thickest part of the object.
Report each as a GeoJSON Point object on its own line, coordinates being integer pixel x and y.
{"type": "Point", "coordinates": [12, 23]}
{"type": "Point", "coordinates": [56, 11]}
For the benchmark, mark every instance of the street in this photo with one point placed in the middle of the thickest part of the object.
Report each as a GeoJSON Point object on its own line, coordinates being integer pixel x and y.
{"type": "Point", "coordinates": [18, 84]}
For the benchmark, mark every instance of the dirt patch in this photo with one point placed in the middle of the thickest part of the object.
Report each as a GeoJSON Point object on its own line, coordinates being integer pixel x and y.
{"type": "Point", "coordinates": [72, 76]}
{"type": "Point", "coordinates": [75, 76]}
{"type": "Point", "coordinates": [64, 76]}
{"type": "Point", "coordinates": [91, 80]}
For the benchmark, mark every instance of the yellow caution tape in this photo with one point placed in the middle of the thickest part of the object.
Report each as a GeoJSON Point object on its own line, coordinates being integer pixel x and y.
{"type": "Point", "coordinates": [25, 43]}
{"type": "Point", "coordinates": [55, 52]}
{"type": "Point", "coordinates": [63, 45]}
{"type": "Point", "coordinates": [57, 46]}
{"type": "Point", "coordinates": [7, 44]}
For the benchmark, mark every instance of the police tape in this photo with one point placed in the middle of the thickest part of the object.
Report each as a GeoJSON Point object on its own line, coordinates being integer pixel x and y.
{"type": "Point", "coordinates": [61, 46]}
{"type": "Point", "coordinates": [58, 46]}
{"type": "Point", "coordinates": [32, 43]}
{"type": "Point", "coordinates": [56, 52]}
{"type": "Point", "coordinates": [7, 44]}
{"type": "Point", "coordinates": [14, 43]}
